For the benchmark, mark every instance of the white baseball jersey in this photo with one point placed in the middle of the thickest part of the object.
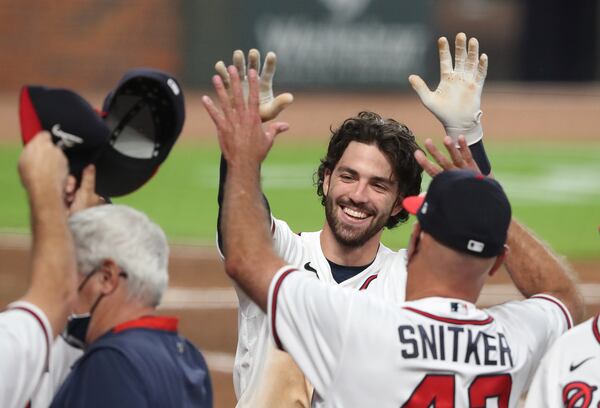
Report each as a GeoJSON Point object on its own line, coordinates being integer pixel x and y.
{"type": "Point", "coordinates": [257, 360]}
{"type": "Point", "coordinates": [569, 374]}
{"type": "Point", "coordinates": [360, 351]}
{"type": "Point", "coordinates": [33, 365]}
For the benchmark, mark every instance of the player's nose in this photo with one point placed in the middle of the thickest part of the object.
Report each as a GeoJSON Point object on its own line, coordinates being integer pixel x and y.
{"type": "Point", "coordinates": [359, 193]}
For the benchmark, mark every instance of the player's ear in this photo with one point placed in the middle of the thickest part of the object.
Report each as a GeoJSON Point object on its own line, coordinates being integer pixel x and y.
{"type": "Point", "coordinates": [109, 275]}
{"type": "Point", "coordinates": [326, 180]}
{"type": "Point", "coordinates": [397, 206]}
{"type": "Point", "coordinates": [499, 260]}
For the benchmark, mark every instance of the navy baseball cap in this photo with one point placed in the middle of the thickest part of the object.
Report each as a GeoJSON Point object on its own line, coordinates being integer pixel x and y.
{"type": "Point", "coordinates": [465, 211]}
{"type": "Point", "coordinates": [73, 123]}
{"type": "Point", "coordinates": [145, 114]}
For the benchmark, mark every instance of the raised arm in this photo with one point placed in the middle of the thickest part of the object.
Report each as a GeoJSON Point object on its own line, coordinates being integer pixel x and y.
{"type": "Point", "coordinates": [251, 260]}
{"type": "Point", "coordinates": [532, 265]}
{"type": "Point", "coordinates": [269, 107]}
{"type": "Point", "coordinates": [457, 99]}
{"type": "Point", "coordinates": [43, 171]}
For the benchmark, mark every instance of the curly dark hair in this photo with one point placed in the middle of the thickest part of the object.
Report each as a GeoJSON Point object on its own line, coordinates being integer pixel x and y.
{"type": "Point", "coordinates": [393, 139]}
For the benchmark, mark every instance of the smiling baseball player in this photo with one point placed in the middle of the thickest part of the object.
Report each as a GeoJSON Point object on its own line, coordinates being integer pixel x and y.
{"type": "Point", "coordinates": [569, 375]}
{"type": "Point", "coordinates": [438, 346]}
{"type": "Point", "coordinates": [368, 167]}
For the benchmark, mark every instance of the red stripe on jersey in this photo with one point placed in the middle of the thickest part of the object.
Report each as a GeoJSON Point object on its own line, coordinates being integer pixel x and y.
{"type": "Point", "coordinates": [274, 306]}
{"type": "Point", "coordinates": [164, 323]}
{"type": "Point", "coordinates": [561, 307]}
{"type": "Point", "coordinates": [450, 320]}
{"type": "Point", "coordinates": [368, 281]}
{"type": "Point", "coordinates": [595, 328]}
{"type": "Point", "coordinates": [41, 322]}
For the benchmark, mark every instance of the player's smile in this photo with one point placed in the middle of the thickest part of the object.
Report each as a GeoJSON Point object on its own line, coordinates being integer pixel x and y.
{"type": "Point", "coordinates": [354, 214]}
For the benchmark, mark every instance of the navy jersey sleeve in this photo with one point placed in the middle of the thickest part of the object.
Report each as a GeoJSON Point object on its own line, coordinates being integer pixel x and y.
{"type": "Point", "coordinates": [103, 379]}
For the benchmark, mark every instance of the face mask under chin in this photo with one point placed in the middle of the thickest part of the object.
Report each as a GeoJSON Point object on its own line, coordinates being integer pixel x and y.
{"type": "Point", "coordinates": [78, 324]}
{"type": "Point", "coordinates": [76, 329]}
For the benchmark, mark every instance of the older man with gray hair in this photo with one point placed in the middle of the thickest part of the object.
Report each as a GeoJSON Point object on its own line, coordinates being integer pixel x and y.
{"type": "Point", "coordinates": [132, 357]}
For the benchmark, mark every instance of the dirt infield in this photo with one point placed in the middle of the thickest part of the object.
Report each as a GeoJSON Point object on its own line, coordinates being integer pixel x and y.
{"type": "Point", "coordinates": [511, 112]}
{"type": "Point", "coordinates": [208, 317]}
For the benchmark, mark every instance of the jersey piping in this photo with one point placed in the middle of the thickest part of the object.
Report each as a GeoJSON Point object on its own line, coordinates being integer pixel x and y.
{"type": "Point", "coordinates": [46, 335]}
{"type": "Point", "coordinates": [563, 309]}
{"type": "Point", "coordinates": [450, 320]}
{"type": "Point", "coordinates": [274, 305]}
{"type": "Point", "coordinates": [368, 281]}
{"type": "Point", "coordinates": [595, 328]}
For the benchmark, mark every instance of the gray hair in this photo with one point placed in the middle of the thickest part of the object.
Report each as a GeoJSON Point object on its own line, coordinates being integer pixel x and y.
{"type": "Point", "coordinates": [131, 240]}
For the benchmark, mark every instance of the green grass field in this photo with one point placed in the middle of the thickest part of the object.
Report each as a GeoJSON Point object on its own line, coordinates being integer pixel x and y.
{"type": "Point", "coordinates": [554, 189]}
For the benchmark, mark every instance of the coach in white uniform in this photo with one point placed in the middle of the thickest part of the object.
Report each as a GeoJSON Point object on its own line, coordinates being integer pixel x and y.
{"type": "Point", "coordinates": [29, 326]}
{"type": "Point", "coordinates": [569, 375]}
{"type": "Point", "coordinates": [361, 351]}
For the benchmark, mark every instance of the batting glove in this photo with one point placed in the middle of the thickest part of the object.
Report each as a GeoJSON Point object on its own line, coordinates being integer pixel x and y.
{"type": "Point", "coordinates": [270, 106]}
{"type": "Point", "coordinates": [457, 99]}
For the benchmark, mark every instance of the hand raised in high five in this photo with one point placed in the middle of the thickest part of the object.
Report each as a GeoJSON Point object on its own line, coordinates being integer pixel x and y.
{"type": "Point", "coordinates": [239, 128]}
{"type": "Point", "coordinates": [457, 99]}
{"type": "Point", "coordinates": [270, 106]}
{"type": "Point", "coordinates": [460, 158]}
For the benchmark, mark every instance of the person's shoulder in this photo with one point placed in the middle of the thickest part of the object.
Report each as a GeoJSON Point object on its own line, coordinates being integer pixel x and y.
{"type": "Point", "coordinates": [588, 329]}
{"type": "Point", "coordinates": [387, 255]}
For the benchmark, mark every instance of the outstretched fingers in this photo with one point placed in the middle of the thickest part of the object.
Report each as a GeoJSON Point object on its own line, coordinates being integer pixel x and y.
{"type": "Point", "coordinates": [213, 112]}
{"type": "Point", "coordinates": [420, 87]}
{"type": "Point", "coordinates": [455, 153]}
{"type": "Point", "coordinates": [222, 72]}
{"type": "Point", "coordinates": [253, 98]}
{"type": "Point", "coordinates": [472, 57]}
{"type": "Point", "coordinates": [275, 128]}
{"type": "Point", "coordinates": [427, 166]}
{"type": "Point", "coordinates": [438, 156]}
{"type": "Point", "coordinates": [268, 71]}
{"type": "Point", "coordinates": [236, 89]}
{"type": "Point", "coordinates": [239, 62]}
{"type": "Point", "coordinates": [460, 53]}
{"type": "Point", "coordinates": [467, 156]}
{"type": "Point", "coordinates": [254, 60]}
{"type": "Point", "coordinates": [223, 96]}
{"type": "Point", "coordinates": [445, 57]}
{"type": "Point", "coordinates": [482, 68]}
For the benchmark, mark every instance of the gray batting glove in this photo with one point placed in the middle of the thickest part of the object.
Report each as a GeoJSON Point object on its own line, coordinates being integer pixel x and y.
{"type": "Point", "coordinates": [270, 106]}
{"type": "Point", "coordinates": [456, 101]}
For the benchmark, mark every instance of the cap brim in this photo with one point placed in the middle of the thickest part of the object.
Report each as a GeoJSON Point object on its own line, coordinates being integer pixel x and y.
{"type": "Point", "coordinates": [118, 175]}
{"type": "Point", "coordinates": [413, 203]}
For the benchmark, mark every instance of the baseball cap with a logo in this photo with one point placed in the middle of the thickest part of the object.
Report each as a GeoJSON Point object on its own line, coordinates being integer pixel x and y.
{"type": "Point", "coordinates": [142, 119]}
{"type": "Point", "coordinates": [145, 114]}
{"type": "Point", "coordinates": [465, 211]}
{"type": "Point", "coordinates": [73, 123]}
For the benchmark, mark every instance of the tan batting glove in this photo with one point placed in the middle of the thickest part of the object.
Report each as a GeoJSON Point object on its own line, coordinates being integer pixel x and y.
{"type": "Point", "coordinates": [457, 99]}
{"type": "Point", "coordinates": [270, 106]}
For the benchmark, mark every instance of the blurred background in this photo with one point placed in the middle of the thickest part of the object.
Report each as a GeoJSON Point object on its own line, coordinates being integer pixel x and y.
{"type": "Point", "coordinates": [541, 105]}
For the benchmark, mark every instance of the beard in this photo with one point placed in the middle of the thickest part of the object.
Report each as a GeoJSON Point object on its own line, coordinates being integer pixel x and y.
{"type": "Point", "coordinates": [350, 235]}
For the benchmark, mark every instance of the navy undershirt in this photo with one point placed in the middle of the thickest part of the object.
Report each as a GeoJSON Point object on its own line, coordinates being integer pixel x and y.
{"type": "Point", "coordinates": [340, 272]}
